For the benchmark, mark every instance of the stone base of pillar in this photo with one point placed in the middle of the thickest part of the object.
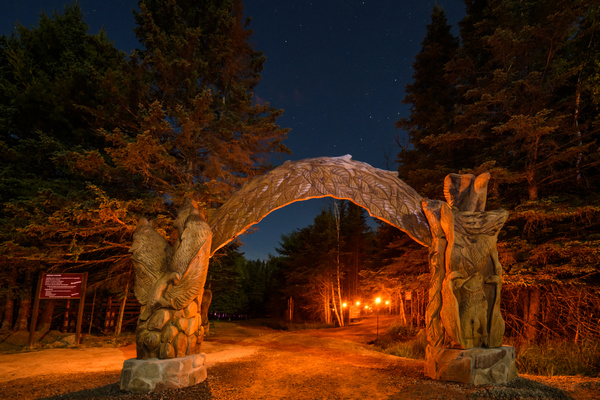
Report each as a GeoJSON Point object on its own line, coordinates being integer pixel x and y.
{"type": "Point", "coordinates": [154, 375]}
{"type": "Point", "coordinates": [480, 366]}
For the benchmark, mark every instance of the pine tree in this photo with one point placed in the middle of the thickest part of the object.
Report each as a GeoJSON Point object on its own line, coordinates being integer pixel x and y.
{"type": "Point", "coordinates": [314, 259]}
{"type": "Point", "coordinates": [357, 242]}
{"type": "Point", "coordinates": [526, 110]}
{"type": "Point", "coordinates": [225, 280]}
{"type": "Point", "coordinates": [198, 131]}
{"type": "Point", "coordinates": [517, 99]}
{"type": "Point", "coordinates": [49, 76]}
{"type": "Point", "coordinates": [261, 283]}
{"type": "Point", "coordinates": [432, 98]}
{"type": "Point", "coordinates": [118, 138]}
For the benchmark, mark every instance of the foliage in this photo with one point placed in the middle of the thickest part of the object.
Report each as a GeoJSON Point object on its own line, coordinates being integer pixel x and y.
{"type": "Point", "coordinates": [261, 282]}
{"type": "Point", "coordinates": [565, 311]}
{"type": "Point", "coordinates": [397, 264]}
{"type": "Point", "coordinates": [403, 341]}
{"type": "Point", "coordinates": [517, 85]}
{"type": "Point", "coordinates": [196, 131]}
{"type": "Point", "coordinates": [310, 258]}
{"type": "Point", "coordinates": [432, 99]}
{"type": "Point", "coordinates": [518, 98]}
{"type": "Point", "coordinates": [243, 287]}
{"type": "Point", "coordinates": [95, 139]}
{"type": "Point", "coordinates": [225, 281]}
{"type": "Point", "coordinates": [559, 358]}
{"type": "Point", "coordinates": [50, 217]}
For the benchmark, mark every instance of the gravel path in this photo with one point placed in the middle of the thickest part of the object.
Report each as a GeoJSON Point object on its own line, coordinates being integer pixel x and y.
{"type": "Point", "coordinates": [258, 363]}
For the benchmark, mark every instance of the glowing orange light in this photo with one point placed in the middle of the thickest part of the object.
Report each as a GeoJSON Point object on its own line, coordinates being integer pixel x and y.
{"type": "Point", "coordinates": [387, 302]}
{"type": "Point", "coordinates": [357, 303]}
{"type": "Point", "coordinates": [344, 305]}
{"type": "Point", "coordinates": [378, 300]}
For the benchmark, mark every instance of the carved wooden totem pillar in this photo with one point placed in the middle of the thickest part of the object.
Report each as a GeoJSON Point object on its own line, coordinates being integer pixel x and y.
{"type": "Point", "coordinates": [464, 302]}
{"type": "Point", "coordinates": [169, 284]}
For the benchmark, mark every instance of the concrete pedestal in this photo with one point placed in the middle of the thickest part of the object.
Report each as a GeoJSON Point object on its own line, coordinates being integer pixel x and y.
{"type": "Point", "coordinates": [479, 366]}
{"type": "Point", "coordinates": [144, 376]}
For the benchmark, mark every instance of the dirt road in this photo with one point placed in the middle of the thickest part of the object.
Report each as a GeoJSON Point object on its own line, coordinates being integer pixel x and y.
{"type": "Point", "coordinates": [246, 362]}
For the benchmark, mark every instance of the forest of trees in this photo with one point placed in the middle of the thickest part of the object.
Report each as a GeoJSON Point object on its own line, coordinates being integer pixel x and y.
{"type": "Point", "coordinates": [92, 139]}
{"type": "Point", "coordinates": [321, 263]}
{"type": "Point", "coordinates": [517, 95]}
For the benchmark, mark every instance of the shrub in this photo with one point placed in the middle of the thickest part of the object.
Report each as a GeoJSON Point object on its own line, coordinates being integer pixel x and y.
{"type": "Point", "coordinates": [400, 331]}
{"type": "Point", "coordinates": [403, 341]}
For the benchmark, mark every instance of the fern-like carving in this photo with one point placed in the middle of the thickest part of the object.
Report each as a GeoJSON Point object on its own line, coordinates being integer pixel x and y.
{"type": "Point", "coordinates": [380, 192]}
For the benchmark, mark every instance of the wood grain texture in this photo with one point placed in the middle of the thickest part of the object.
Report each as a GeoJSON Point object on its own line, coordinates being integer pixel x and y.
{"type": "Point", "coordinates": [380, 192]}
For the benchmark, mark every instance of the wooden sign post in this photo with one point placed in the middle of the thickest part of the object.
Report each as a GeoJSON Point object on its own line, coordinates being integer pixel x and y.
{"type": "Point", "coordinates": [59, 286]}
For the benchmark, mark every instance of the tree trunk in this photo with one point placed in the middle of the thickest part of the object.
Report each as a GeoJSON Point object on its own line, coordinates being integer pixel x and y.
{"type": "Point", "coordinates": [9, 304]}
{"type": "Point", "coordinates": [402, 309]}
{"type": "Point", "coordinates": [92, 313]}
{"type": "Point", "coordinates": [340, 304]}
{"type": "Point", "coordinates": [339, 315]}
{"type": "Point", "coordinates": [531, 331]}
{"type": "Point", "coordinates": [24, 306]}
{"type": "Point", "coordinates": [122, 311]}
{"type": "Point", "coordinates": [578, 318]}
{"type": "Point", "coordinates": [326, 302]}
{"type": "Point", "coordinates": [533, 192]}
{"type": "Point", "coordinates": [23, 315]}
{"type": "Point", "coordinates": [7, 318]}
{"type": "Point", "coordinates": [290, 310]}
{"type": "Point", "coordinates": [412, 309]}
{"type": "Point", "coordinates": [46, 318]}
{"type": "Point", "coordinates": [335, 309]}
{"type": "Point", "coordinates": [326, 310]}
{"type": "Point", "coordinates": [108, 318]}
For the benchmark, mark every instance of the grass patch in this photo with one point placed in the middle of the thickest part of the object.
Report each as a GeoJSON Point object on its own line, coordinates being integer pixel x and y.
{"type": "Point", "coordinates": [403, 341]}
{"type": "Point", "coordinates": [559, 358]}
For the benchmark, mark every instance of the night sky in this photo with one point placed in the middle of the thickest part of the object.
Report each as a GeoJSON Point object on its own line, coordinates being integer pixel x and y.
{"type": "Point", "coordinates": [337, 67]}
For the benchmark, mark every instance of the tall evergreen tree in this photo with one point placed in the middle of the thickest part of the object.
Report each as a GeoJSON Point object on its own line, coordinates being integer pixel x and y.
{"type": "Point", "coordinates": [198, 131]}
{"type": "Point", "coordinates": [517, 98]}
{"type": "Point", "coordinates": [316, 257]}
{"type": "Point", "coordinates": [49, 76]}
{"type": "Point", "coordinates": [526, 110]}
{"type": "Point", "coordinates": [356, 245]}
{"type": "Point", "coordinates": [225, 280]}
{"type": "Point", "coordinates": [399, 264]}
{"type": "Point", "coordinates": [118, 138]}
{"type": "Point", "coordinates": [262, 286]}
{"type": "Point", "coordinates": [432, 99]}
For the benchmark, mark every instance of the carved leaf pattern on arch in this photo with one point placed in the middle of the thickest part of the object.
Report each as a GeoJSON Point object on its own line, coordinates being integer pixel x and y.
{"type": "Point", "coordinates": [380, 192]}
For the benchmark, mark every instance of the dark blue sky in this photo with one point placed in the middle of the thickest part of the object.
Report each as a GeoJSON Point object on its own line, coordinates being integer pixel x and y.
{"type": "Point", "coordinates": [337, 67]}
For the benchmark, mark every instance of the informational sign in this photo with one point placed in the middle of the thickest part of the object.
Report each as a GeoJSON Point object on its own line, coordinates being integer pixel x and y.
{"type": "Point", "coordinates": [61, 286]}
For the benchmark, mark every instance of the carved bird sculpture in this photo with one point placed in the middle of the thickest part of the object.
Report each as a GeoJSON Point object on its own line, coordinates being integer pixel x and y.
{"type": "Point", "coordinates": [171, 276]}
